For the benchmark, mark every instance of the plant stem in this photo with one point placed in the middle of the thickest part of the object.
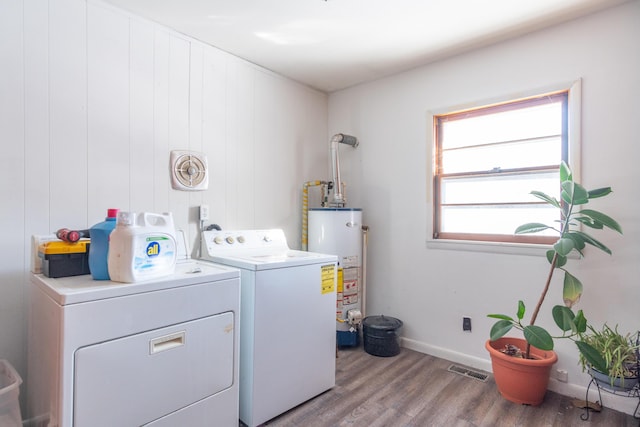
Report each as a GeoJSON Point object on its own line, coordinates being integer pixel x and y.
{"type": "Point", "coordinates": [566, 217]}
{"type": "Point", "coordinates": [541, 299]}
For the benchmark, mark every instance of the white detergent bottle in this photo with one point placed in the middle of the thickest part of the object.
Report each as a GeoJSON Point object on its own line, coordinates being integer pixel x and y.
{"type": "Point", "coordinates": [142, 247]}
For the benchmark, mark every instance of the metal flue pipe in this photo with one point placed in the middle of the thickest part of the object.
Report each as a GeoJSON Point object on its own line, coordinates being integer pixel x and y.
{"type": "Point", "coordinates": [339, 138]}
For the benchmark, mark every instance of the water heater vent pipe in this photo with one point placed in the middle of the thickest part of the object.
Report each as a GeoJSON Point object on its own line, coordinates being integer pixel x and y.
{"type": "Point", "coordinates": [339, 138]}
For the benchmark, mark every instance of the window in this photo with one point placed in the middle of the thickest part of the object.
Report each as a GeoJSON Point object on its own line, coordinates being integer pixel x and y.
{"type": "Point", "coordinates": [487, 161]}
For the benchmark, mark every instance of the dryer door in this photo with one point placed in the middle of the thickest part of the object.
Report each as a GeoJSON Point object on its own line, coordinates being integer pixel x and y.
{"type": "Point", "coordinates": [137, 379]}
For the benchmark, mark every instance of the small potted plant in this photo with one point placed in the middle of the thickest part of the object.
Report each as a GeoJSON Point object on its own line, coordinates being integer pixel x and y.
{"type": "Point", "coordinates": [620, 354]}
{"type": "Point", "coordinates": [534, 354]}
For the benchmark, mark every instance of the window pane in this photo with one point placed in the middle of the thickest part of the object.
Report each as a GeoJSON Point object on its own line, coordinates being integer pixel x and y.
{"type": "Point", "coordinates": [512, 125]}
{"type": "Point", "coordinates": [499, 189]}
{"type": "Point", "coordinates": [487, 162]}
{"type": "Point", "coordinates": [504, 156]}
{"type": "Point", "coordinates": [496, 219]}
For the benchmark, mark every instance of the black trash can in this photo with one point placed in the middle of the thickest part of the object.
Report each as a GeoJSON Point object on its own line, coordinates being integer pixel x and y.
{"type": "Point", "coordinates": [381, 335]}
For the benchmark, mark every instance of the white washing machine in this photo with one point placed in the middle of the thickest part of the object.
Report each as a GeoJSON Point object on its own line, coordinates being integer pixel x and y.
{"type": "Point", "coordinates": [157, 353]}
{"type": "Point", "coordinates": [287, 332]}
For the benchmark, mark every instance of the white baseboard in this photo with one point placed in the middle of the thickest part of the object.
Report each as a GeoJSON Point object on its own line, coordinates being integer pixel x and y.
{"type": "Point", "coordinates": [619, 403]}
{"type": "Point", "coordinates": [447, 354]}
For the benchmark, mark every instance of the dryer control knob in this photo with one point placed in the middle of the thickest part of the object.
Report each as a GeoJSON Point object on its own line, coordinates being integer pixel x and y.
{"type": "Point", "coordinates": [230, 240]}
{"type": "Point", "coordinates": [240, 239]}
{"type": "Point", "coordinates": [267, 238]}
{"type": "Point", "coordinates": [218, 240]}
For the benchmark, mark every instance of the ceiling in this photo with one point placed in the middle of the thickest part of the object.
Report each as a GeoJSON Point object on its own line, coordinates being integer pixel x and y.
{"type": "Point", "coordinates": [334, 44]}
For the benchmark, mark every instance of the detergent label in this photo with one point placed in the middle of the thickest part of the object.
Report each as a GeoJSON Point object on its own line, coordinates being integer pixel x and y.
{"type": "Point", "coordinates": [154, 255]}
{"type": "Point", "coordinates": [154, 247]}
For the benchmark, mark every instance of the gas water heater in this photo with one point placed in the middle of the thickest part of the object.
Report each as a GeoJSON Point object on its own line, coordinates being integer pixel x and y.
{"type": "Point", "coordinates": [338, 230]}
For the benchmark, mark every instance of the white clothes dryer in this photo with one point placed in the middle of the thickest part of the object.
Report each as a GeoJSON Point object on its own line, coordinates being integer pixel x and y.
{"type": "Point", "coordinates": [287, 326]}
{"type": "Point", "coordinates": [156, 353]}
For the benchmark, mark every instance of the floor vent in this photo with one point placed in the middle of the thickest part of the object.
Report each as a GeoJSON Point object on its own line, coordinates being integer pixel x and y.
{"type": "Point", "coordinates": [457, 369]}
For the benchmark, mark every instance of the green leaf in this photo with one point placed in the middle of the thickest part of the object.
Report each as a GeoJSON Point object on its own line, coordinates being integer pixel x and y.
{"type": "Point", "coordinates": [538, 337]}
{"type": "Point", "coordinates": [565, 172]}
{"type": "Point", "coordinates": [578, 241]}
{"type": "Point", "coordinates": [566, 192]}
{"type": "Point", "coordinates": [560, 260]}
{"type": "Point", "coordinates": [501, 316]}
{"type": "Point", "coordinates": [550, 200]}
{"type": "Point", "coordinates": [603, 219]}
{"type": "Point", "coordinates": [599, 192]}
{"type": "Point", "coordinates": [572, 290]}
{"type": "Point", "coordinates": [589, 222]}
{"type": "Point", "coordinates": [580, 195]}
{"type": "Point", "coordinates": [574, 193]}
{"type": "Point", "coordinates": [563, 317]}
{"type": "Point", "coordinates": [564, 246]}
{"type": "Point", "coordinates": [531, 227]}
{"type": "Point", "coordinates": [581, 322]}
{"type": "Point", "coordinates": [593, 242]}
{"type": "Point", "coordinates": [521, 310]}
{"type": "Point", "coordinates": [592, 356]}
{"type": "Point", "coordinates": [499, 329]}
{"type": "Point", "coordinates": [550, 254]}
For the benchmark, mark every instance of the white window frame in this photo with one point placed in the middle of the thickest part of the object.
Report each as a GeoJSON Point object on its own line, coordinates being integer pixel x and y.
{"type": "Point", "coordinates": [574, 103]}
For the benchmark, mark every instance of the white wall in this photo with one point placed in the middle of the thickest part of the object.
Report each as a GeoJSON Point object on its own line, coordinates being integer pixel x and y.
{"type": "Point", "coordinates": [432, 289]}
{"type": "Point", "coordinates": [92, 101]}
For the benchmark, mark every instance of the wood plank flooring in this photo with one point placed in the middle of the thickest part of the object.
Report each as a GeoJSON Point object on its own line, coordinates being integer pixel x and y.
{"type": "Point", "coordinates": [415, 389]}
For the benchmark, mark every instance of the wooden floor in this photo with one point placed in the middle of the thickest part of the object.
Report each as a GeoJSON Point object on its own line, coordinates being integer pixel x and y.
{"type": "Point", "coordinates": [415, 389]}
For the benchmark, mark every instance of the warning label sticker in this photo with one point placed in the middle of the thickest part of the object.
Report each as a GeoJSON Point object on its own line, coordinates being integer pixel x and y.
{"type": "Point", "coordinates": [328, 279]}
{"type": "Point", "coordinates": [350, 287]}
{"type": "Point", "coordinates": [350, 261]}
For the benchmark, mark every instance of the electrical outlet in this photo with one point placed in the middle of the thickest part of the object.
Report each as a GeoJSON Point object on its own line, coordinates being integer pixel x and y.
{"type": "Point", "coordinates": [466, 324]}
{"type": "Point", "coordinates": [562, 375]}
{"type": "Point", "coordinates": [204, 212]}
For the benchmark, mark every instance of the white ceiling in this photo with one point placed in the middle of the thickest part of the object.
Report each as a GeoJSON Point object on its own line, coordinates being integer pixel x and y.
{"type": "Point", "coordinates": [334, 44]}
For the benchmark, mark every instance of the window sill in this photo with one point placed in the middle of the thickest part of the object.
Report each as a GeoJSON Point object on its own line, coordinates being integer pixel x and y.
{"type": "Point", "coordinates": [489, 247]}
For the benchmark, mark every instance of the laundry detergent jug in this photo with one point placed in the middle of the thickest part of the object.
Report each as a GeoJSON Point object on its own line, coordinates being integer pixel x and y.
{"type": "Point", "coordinates": [142, 247]}
{"type": "Point", "coordinates": [99, 247]}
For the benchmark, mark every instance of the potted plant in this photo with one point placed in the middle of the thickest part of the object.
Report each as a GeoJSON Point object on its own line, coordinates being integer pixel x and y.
{"type": "Point", "coordinates": [535, 356]}
{"type": "Point", "coordinates": [620, 354]}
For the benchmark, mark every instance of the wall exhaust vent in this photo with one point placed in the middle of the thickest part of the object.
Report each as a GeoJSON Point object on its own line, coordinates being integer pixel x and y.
{"type": "Point", "coordinates": [189, 171]}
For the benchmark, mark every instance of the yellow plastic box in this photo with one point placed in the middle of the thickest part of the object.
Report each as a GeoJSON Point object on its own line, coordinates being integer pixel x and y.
{"type": "Point", "coordinates": [63, 259]}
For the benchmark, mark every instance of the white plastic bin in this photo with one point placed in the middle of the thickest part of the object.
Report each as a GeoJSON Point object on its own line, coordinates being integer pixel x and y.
{"type": "Point", "coordinates": [9, 391]}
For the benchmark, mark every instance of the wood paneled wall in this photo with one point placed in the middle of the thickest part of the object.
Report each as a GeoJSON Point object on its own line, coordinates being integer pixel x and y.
{"type": "Point", "coordinates": [92, 101]}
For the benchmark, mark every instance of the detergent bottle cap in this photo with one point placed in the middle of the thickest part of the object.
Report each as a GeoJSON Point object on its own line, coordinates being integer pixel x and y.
{"type": "Point", "coordinates": [126, 218]}
{"type": "Point", "coordinates": [112, 213]}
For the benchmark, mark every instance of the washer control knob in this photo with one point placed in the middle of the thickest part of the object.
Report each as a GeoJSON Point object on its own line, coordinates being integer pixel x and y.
{"type": "Point", "coordinates": [267, 238]}
{"type": "Point", "coordinates": [240, 239]}
{"type": "Point", "coordinates": [230, 240]}
{"type": "Point", "coordinates": [218, 240]}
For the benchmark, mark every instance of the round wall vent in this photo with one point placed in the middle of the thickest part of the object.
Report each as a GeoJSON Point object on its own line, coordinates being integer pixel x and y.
{"type": "Point", "coordinates": [189, 171]}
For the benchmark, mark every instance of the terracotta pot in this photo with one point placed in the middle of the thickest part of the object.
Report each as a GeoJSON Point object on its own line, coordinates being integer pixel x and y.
{"type": "Point", "coordinates": [519, 380]}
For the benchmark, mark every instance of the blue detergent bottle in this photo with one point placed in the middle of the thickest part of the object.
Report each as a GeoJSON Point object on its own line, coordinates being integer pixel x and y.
{"type": "Point", "coordinates": [99, 248]}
